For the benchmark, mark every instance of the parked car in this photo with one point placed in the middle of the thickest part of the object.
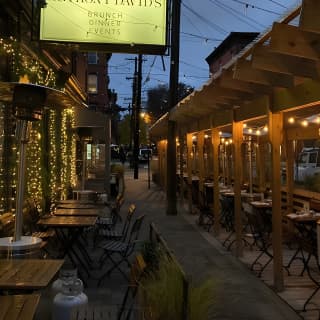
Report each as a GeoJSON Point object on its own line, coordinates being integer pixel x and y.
{"type": "Point", "coordinates": [145, 154]}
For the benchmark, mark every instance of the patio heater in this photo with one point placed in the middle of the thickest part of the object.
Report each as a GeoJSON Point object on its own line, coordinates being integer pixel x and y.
{"type": "Point", "coordinates": [28, 101]}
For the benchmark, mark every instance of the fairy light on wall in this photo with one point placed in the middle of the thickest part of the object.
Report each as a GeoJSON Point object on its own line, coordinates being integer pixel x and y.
{"type": "Point", "coordinates": [68, 154]}
{"type": "Point", "coordinates": [53, 167]}
{"type": "Point", "coordinates": [21, 65]}
{"type": "Point", "coordinates": [33, 164]}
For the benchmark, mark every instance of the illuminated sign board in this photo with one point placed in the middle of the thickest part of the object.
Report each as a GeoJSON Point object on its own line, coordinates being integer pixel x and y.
{"type": "Point", "coordinates": [128, 22]}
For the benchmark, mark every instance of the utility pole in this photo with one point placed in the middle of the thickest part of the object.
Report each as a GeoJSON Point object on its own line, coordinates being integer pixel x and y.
{"type": "Point", "coordinates": [136, 139]}
{"type": "Point", "coordinates": [133, 102]}
{"type": "Point", "coordinates": [173, 99]}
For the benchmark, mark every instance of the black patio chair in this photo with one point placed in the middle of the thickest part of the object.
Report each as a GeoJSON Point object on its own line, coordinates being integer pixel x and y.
{"type": "Point", "coordinates": [260, 233]}
{"type": "Point", "coordinates": [206, 218]}
{"type": "Point", "coordinates": [122, 249]}
{"type": "Point", "coordinates": [109, 221]}
{"type": "Point", "coordinates": [116, 233]}
{"type": "Point", "coordinates": [128, 306]}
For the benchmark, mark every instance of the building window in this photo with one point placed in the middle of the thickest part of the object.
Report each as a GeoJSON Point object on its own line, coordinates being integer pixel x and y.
{"type": "Point", "coordinates": [92, 58]}
{"type": "Point", "coordinates": [92, 83]}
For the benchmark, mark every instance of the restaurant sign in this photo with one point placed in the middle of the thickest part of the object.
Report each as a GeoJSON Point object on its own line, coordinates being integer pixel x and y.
{"type": "Point", "coordinates": [123, 22]}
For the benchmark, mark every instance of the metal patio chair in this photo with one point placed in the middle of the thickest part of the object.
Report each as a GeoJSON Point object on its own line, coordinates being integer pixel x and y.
{"type": "Point", "coordinates": [122, 249]}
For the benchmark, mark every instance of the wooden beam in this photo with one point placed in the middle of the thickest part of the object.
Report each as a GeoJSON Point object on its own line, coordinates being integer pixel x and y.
{"type": "Point", "coordinates": [245, 72]}
{"type": "Point", "coordinates": [290, 172]}
{"type": "Point", "coordinates": [253, 109]}
{"type": "Point", "coordinates": [237, 135]}
{"type": "Point", "coordinates": [309, 17]}
{"type": "Point", "coordinates": [218, 91]}
{"type": "Point", "coordinates": [308, 133]}
{"type": "Point", "coordinates": [264, 59]}
{"type": "Point", "coordinates": [275, 134]}
{"type": "Point", "coordinates": [200, 144]}
{"type": "Point", "coordinates": [222, 118]}
{"type": "Point", "coordinates": [215, 157]}
{"type": "Point", "coordinates": [227, 81]}
{"type": "Point", "coordinates": [290, 40]}
{"type": "Point", "coordinates": [305, 93]}
{"type": "Point", "coordinates": [189, 170]}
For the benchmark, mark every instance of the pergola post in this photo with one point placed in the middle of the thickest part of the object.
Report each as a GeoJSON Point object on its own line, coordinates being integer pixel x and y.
{"type": "Point", "coordinates": [261, 164]}
{"type": "Point", "coordinates": [189, 170]}
{"type": "Point", "coordinates": [290, 165]}
{"type": "Point", "coordinates": [275, 135]}
{"type": "Point", "coordinates": [215, 138]}
{"type": "Point", "coordinates": [200, 142]}
{"type": "Point", "coordinates": [181, 164]}
{"type": "Point", "coordinates": [237, 135]}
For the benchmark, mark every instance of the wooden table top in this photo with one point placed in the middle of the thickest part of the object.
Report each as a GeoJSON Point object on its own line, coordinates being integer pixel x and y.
{"type": "Point", "coordinates": [304, 217]}
{"type": "Point", "coordinates": [261, 204]}
{"type": "Point", "coordinates": [68, 221]}
{"type": "Point", "coordinates": [18, 307]}
{"type": "Point", "coordinates": [74, 201]}
{"type": "Point", "coordinates": [27, 274]}
{"type": "Point", "coordinates": [76, 205]}
{"type": "Point", "coordinates": [76, 212]}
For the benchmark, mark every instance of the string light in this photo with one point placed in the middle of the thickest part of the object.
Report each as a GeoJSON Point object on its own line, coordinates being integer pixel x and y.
{"type": "Point", "coordinates": [62, 143]}
{"type": "Point", "coordinates": [291, 120]}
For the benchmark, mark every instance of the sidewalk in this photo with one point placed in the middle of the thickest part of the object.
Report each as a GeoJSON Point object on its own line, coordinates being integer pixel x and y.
{"type": "Point", "coordinates": [239, 294]}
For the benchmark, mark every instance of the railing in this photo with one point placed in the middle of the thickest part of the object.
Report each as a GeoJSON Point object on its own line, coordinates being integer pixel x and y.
{"type": "Point", "coordinates": [156, 237]}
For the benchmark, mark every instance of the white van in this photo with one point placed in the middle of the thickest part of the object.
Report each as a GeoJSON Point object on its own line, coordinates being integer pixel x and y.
{"type": "Point", "coordinates": [308, 163]}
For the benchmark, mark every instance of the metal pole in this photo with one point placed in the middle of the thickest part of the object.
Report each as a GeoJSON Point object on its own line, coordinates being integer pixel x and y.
{"type": "Point", "coordinates": [108, 156]}
{"type": "Point", "coordinates": [250, 164]}
{"type": "Point", "coordinates": [148, 170]}
{"type": "Point", "coordinates": [22, 132]}
{"type": "Point", "coordinates": [173, 99]}
{"type": "Point", "coordinates": [84, 164]}
{"type": "Point", "coordinates": [136, 141]}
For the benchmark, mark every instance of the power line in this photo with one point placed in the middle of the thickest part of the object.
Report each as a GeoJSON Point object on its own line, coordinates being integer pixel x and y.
{"type": "Point", "coordinates": [207, 21]}
{"type": "Point", "coordinates": [247, 5]}
{"type": "Point", "coordinates": [193, 66]}
{"type": "Point", "coordinates": [192, 23]}
{"type": "Point", "coordinates": [279, 4]}
{"type": "Point", "coordinates": [241, 17]}
{"type": "Point", "coordinates": [200, 37]}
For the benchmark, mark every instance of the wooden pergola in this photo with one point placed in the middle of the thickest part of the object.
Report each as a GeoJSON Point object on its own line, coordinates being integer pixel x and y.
{"type": "Point", "coordinates": [273, 79]}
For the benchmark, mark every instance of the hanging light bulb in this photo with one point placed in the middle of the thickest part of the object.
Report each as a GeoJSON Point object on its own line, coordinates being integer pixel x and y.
{"type": "Point", "coordinates": [291, 120]}
{"type": "Point", "coordinates": [258, 132]}
{"type": "Point", "coordinates": [265, 129]}
{"type": "Point", "coordinates": [250, 130]}
{"type": "Point", "coordinates": [304, 123]}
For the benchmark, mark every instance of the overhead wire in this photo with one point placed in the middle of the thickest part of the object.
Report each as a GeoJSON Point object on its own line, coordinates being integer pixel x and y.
{"type": "Point", "coordinates": [200, 37]}
{"type": "Point", "coordinates": [238, 15]}
{"type": "Point", "coordinates": [279, 4]}
{"type": "Point", "coordinates": [207, 21]}
{"type": "Point", "coordinates": [256, 7]}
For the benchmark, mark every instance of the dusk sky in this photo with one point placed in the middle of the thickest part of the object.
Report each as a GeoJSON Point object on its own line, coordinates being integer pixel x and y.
{"type": "Point", "coordinates": [204, 25]}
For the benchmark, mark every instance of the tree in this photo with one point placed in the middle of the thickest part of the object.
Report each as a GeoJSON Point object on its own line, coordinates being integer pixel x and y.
{"type": "Point", "coordinates": [157, 103]}
{"type": "Point", "coordinates": [124, 130]}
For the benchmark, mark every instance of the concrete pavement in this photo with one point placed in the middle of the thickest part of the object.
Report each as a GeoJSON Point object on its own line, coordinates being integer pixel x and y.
{"type": "Point", "coordinates": [238, 294]}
